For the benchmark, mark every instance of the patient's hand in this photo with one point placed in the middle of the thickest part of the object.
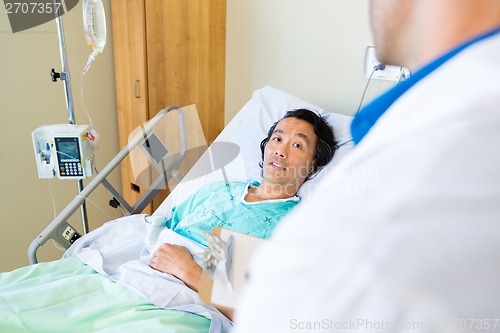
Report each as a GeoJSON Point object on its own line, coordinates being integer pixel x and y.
{"type": "Point", "coordinates": [176, 260]}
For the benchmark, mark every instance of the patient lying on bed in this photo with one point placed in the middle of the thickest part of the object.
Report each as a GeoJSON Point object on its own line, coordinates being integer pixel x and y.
{"type": "Point", "coordinates": [295, 149]}
{"type": "Point", "coordinates": [152, 264]}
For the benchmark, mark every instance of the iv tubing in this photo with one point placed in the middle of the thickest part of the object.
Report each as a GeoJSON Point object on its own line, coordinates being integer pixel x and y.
{"type": "Point", "coordinates": [90, 61]}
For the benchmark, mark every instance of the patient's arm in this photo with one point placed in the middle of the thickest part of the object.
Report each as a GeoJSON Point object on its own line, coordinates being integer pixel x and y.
{"type": "Point", "coordinates": [176, 260]}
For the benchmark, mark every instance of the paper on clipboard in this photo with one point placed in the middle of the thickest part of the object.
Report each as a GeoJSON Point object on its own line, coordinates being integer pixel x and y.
{"type": "Point", "coordinates": [243, 247]}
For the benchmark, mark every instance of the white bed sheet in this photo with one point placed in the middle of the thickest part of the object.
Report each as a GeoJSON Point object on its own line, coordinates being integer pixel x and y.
{"type": "Point", "coordinates": [121, 249]}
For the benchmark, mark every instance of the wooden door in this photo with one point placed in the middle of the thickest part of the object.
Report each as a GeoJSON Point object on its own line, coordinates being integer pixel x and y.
{"type": "Point", "coordinates": [129, 45]}
{"type": "Point", "coordinates": [186, 58]}
{"type": "Point", "coordinates": [167, 52]}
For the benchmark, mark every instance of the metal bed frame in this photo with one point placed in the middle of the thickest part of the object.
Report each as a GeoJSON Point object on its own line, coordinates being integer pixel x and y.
{"type": "Point", "coordinates": [64, 234]}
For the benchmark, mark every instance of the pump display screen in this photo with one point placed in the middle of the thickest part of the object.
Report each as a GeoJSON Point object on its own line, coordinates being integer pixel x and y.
{"type": "Point", "coordinates": [68, 156]}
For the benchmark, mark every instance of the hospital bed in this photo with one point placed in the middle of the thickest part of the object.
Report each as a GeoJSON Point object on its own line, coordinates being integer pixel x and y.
{"type": "Point", "coordinates": [116, 290]}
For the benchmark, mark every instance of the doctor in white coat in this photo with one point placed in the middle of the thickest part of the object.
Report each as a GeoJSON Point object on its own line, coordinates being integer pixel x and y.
{"type": "Point", "coordinates": [405, 234]}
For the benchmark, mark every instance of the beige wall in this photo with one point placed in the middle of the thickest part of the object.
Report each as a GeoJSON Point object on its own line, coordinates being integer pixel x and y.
{"type": "Point", "coordinates": [30, 99]}
{"type": "Point", "coordinates": [313, 49]}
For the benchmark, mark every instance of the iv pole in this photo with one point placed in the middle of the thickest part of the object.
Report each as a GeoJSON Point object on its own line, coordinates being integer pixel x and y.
{"type": "Point", "coordinates": [65, 76]}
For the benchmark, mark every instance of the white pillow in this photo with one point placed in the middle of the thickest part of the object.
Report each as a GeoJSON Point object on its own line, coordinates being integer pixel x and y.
{"type": "Point", "coordinates": [250, 126]}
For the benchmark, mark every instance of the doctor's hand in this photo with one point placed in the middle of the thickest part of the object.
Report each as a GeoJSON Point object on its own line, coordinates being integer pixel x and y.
{"type": "Point", "coordinates": [177, 261]}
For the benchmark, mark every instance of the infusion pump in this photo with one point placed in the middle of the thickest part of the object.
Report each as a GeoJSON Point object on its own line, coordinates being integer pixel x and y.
{"type": "Point", "coordinates": [64, 150]}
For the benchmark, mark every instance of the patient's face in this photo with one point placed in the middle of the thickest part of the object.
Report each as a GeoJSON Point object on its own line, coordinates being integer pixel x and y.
{"type": "Point", "coordinates": [289, 153]}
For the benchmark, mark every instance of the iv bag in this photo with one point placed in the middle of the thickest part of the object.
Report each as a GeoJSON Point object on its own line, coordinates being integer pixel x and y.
{"type": "Point", "coordinates": [94, 28]}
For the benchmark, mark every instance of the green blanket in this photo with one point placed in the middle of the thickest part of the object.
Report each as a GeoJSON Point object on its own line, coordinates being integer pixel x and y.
{"type": "Point", "coordinates": [68, 296]}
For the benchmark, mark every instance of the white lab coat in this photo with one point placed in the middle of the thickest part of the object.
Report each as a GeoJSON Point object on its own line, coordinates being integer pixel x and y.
{"type": "Point", "coordinates": [405, 234]}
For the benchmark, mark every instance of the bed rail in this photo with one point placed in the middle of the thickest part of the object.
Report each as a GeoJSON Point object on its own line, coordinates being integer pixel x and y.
{"type": "Point", "coordinates": [63, 233]}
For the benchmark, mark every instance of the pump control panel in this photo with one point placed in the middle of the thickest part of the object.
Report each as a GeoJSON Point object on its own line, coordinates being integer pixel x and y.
{"type": "Point", "coordinates": [64, 151]}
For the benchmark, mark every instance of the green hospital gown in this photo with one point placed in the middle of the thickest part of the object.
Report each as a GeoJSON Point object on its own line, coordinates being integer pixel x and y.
{"type": "Point", "coordinates": [221, 204]}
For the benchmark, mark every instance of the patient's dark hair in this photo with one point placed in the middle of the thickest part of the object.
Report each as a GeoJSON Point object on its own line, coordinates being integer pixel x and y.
{"type": "Point", "coordinates": [326, 145]}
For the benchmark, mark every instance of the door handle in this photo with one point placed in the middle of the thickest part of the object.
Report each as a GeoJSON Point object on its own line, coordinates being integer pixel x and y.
{"type": "Point", "coordinates": [136, 89]}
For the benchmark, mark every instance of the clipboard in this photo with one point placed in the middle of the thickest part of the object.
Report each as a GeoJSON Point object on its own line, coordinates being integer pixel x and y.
{"type": "Point", "coordinates": [216, 292]}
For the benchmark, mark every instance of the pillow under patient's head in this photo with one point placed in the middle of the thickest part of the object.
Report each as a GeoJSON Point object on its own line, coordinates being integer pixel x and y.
{"type": "Point", "coordinates": [245, 131]}
{"type": "Point", "coordinates": [267, 106]}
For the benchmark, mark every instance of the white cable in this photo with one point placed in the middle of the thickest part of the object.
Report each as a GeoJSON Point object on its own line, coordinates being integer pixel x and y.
{"type": "Point", "coordinates": [53, 200]}
{"type": "Point", "coordinates": [123, 210]}
{"type": "Point", "coordinates": [88, 114]}
{"type": "Point", "coordinates": [55, 214]}
{"type": "Point", "coordinates": [83, 102]}
{"type": "Point", "coordinates": [364, 92]}
{"type": "Point", "coordinates": [102, 210]}
{"type": "Point", "coordinates": [57, 245]}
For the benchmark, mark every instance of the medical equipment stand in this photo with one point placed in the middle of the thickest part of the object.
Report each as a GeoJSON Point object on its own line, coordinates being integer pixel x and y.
{"type": "Point", "coordinates": [57, 227]}
{"type": "Point", "coordinates": [65, 76]}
